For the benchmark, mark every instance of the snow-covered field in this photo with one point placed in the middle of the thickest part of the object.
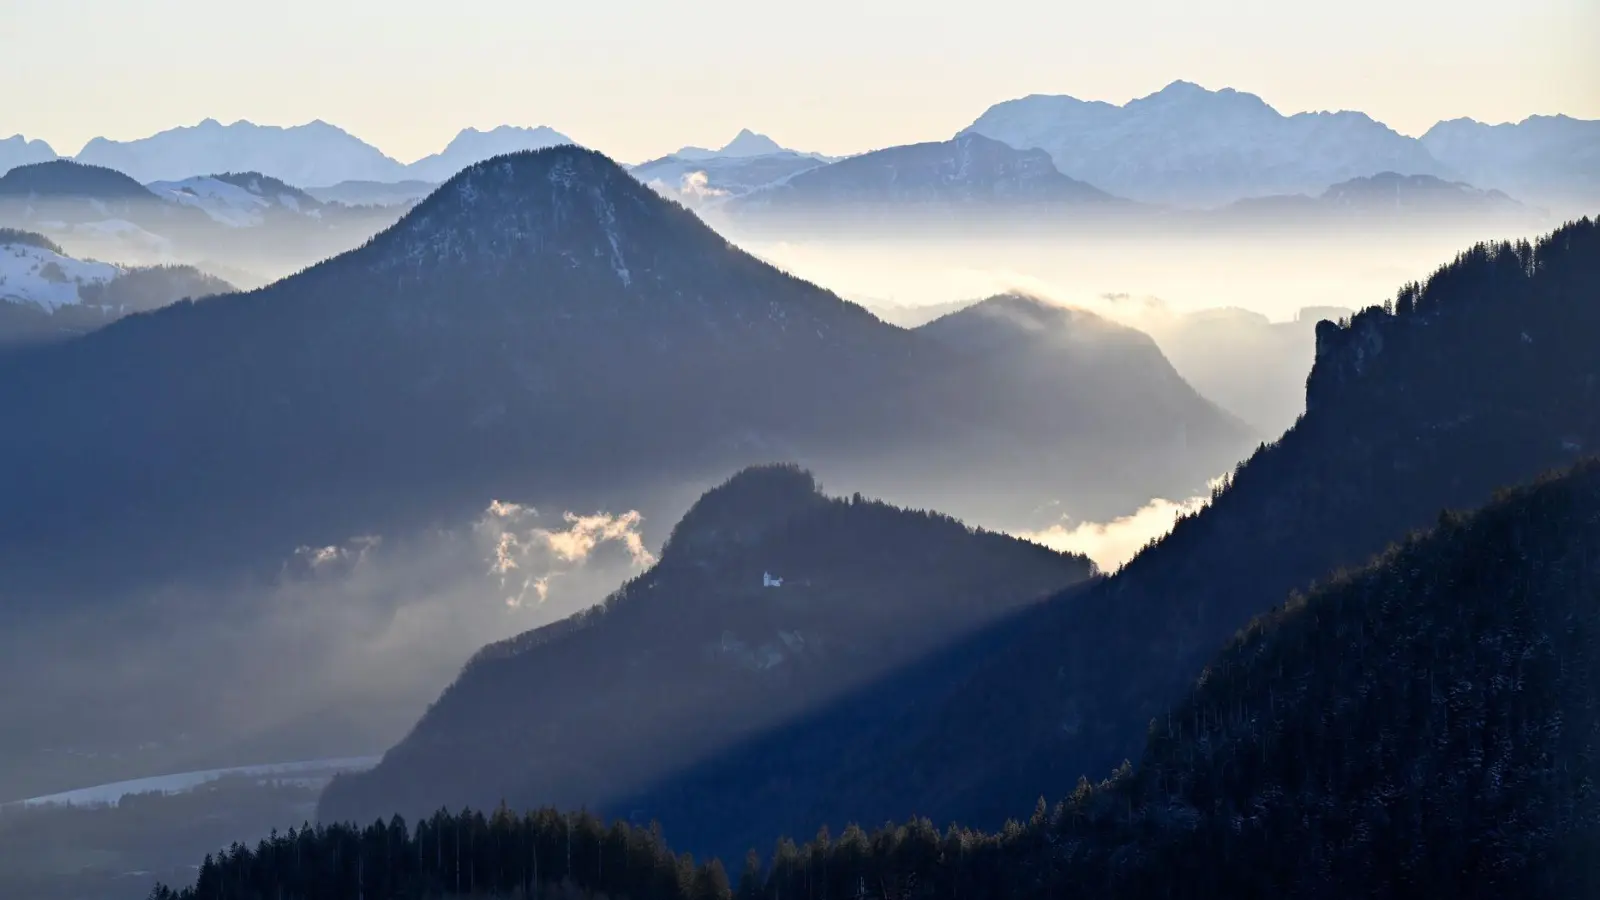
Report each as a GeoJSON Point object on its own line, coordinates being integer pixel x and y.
{"type": "Point", "coordinates": [305, 771]}
{"type": "Point", "coordinates": [39, 275]}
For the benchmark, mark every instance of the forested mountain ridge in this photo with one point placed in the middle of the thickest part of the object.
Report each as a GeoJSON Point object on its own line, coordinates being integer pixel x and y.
{"type": "Point", "coordinates": [770, 599]}
{"type": "Point", "coordinates": [1482, 377]}
{"type": "Point", "coordinates": [65, 178]}
{"type": "Point", "coordinates": [1426, 724]}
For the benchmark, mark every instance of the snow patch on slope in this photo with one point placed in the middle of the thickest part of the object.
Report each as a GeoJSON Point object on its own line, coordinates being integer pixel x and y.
{"type": "Point", "coordinates": [226, 203]}
{"type": "Point", "coordinates": [43, 277]}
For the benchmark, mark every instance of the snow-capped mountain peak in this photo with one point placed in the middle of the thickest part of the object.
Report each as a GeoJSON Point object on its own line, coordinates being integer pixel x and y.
{"type": "Point", "coordinates": [19, 151]}
{"type": "Point", "coordinates": [237, 200]}
{"type": "Point", "coordinates": [1189, 146]}
{"type": "Point", "coordinates": [745, 144]}
{"type": "Point", "coordinates": [749, 143]}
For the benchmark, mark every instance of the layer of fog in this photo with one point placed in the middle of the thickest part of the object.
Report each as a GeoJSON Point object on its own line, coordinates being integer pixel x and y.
{"type": "Point", "coordinates": [1271, 273]}
{"type": "Point", "coordinates": [1112, 544]}
{"type": "Point", "coordinates": [337, 656]}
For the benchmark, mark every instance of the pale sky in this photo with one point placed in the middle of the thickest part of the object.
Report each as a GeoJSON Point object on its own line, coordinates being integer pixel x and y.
{"type": "Point", "coordinates": [636, 79]}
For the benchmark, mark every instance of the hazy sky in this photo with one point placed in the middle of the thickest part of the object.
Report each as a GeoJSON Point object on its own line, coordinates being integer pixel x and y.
{"type": "Point", "coordinates": [637, 78]}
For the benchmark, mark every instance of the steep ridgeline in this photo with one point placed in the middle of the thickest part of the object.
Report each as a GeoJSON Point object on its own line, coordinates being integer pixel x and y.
{"type": "Point", "coordinates": [262, 224]}
{"type": "Point", "coordinates": [1553, 161]}
{"type": "Point", "coordinates": [710, 182]}
{"type": "Point", "coordinates": [1423, 726]}
{"type": "Point", "coordinates": [1191, 147]}
{"type": "Point", "coordinates": [702, 178]}
{"type": "Point", "coordinates": [47, 295]}
{"type": "Point", "coordinates": [770, 600]}
{"type": "Point", "coordinates": [473, 146]}
{"type": "Point", "coordinates": [240, 220]}
{"type": "Point", "coordinates": [1104, 401]}
{"type": "Point", "coordinates": [1483, 377]}
{"type": "Point", "coordinates": [19, 151]}
{"type": "Point", "coordinates": [239, 199]}
{"type": "Point", "coordinates": [543, 328]}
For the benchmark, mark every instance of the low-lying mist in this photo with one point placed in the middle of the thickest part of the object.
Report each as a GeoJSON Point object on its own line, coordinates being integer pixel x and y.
{"type": "Point", "coordinates": [1111, 544]}
{"type": "Point", "coordinates": [337, 655]}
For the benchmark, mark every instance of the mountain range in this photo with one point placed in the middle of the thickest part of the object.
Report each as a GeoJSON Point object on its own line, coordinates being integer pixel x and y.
{"type": "Point", "coordinates": [1423, 724]}
{"type": "Point", "coordinates": [1183, 146]}
{"type": "Point", "coordinates": [315, 154]}
{"type": "Point", "coordinates": [1551, 160]}
{"type": "Point", "coordinates": [1477, 379]}
{"type": "Point", "coordinates": [471, 315]}
{"type": "Point", "coordinates": [969, 177]}
{"type": "Point", "coordinates": [46, 295]}
{"type": "Point", "coordinates": [1405, 416]}
{"type": "Point", "coordinates": [745, 144]}
{"type": "Point", "coordinates": [1190, 147]}
{"type": "Point", "coordinates": [234, 222]}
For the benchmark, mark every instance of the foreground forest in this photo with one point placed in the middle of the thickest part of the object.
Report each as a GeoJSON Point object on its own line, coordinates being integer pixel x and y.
{"type": "Point", "coordinates": [1425, 725]}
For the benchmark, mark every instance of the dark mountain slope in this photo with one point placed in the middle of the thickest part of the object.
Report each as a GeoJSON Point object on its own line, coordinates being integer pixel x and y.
{"type": "Point", "coordinates": [1486, 376]}
{"type": "Point", "coordinates": [1424, 726]}
{"type": "Point", "coordinates": [700, 652]}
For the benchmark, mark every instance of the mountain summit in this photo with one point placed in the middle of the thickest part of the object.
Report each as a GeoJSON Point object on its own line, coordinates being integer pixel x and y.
{"type": "Point", "coordinates": [315, 153]}
{"type": "Point", "coordinates": [1188, 146]}
{"type": "Point", "coordinates": [744, 144]}
{"type": "Point", "coordinates": [19, 151]}
{"type": "Point", "coordinates": [473, 146]}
